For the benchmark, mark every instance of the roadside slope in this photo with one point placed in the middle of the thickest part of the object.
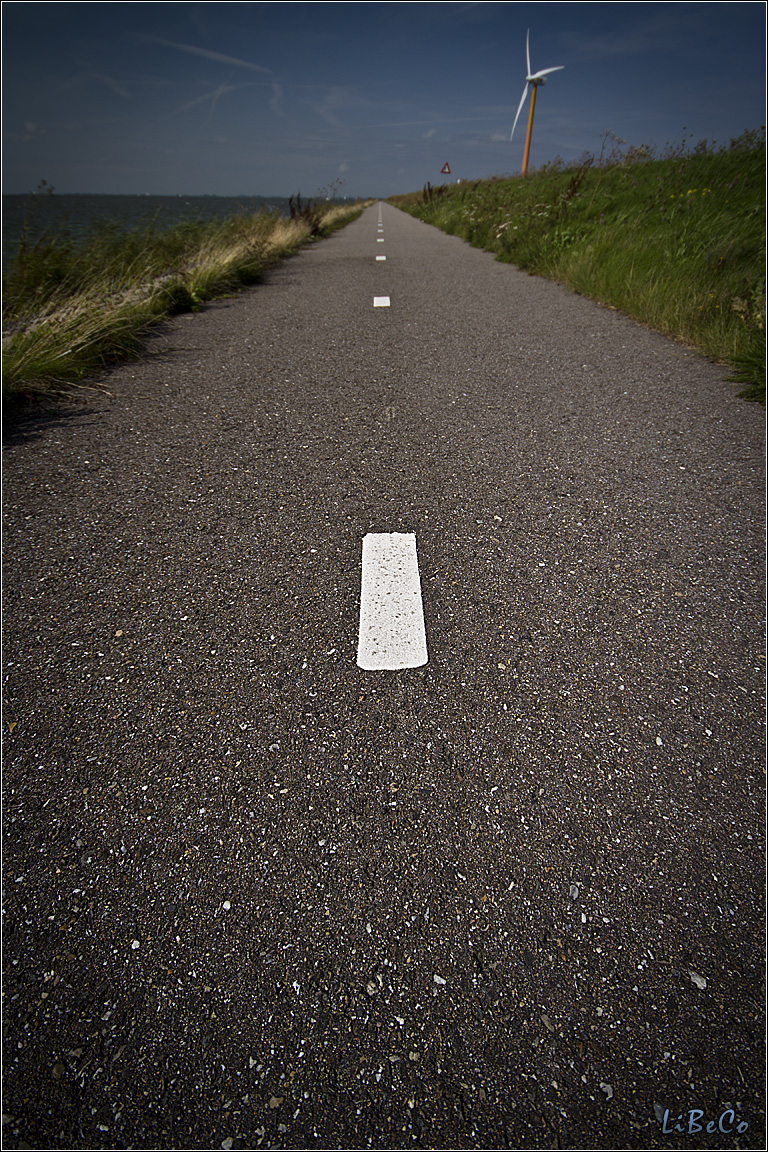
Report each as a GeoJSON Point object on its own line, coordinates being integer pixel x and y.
{"type": "Point", "coordinates": [678, 242]}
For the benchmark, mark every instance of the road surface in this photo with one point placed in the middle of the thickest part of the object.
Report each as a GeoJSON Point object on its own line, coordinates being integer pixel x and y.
{"type": "Point", "coordinates": [258, 896]}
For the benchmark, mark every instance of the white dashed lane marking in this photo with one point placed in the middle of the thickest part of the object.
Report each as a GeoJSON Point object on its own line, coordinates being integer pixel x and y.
{"type": "Point", "coordinates": [381, 257]}
{"type": "Point", "coordinates": [392, 633]}
{"type": "Point", "coordinates": [381, 301]}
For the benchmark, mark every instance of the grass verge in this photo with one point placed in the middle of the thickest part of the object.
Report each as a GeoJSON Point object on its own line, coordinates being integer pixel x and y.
{"type": "Point", "coordinates": [676, 242]}
{"type": "Point", "coordinates": [70, 309]}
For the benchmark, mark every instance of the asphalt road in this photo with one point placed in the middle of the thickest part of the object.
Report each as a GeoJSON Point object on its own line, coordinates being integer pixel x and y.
{"type": "Point", "coordinates": [258, 897]}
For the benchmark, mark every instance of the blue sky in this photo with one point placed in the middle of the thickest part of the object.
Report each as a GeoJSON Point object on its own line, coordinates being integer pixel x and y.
{"type": "Point", "coordinates": [269, 99]}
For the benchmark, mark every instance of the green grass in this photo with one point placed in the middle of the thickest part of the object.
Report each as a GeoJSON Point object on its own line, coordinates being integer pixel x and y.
{"type": "Point", "coordinates": [676, 242]}
{"type": "Point", "coordinates": [73, 308]}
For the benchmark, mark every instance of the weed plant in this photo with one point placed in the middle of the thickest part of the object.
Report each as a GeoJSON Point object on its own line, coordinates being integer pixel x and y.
{"type": "Point", "coordinates": [677, 241]}
{"type": "Point", "coordinates": [70, 308]}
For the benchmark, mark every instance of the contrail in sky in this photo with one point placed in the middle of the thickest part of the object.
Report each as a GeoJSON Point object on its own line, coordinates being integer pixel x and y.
{"type": "Point", "coordinates": [219, 57]}
{"type": "Point", "coordinates": [212, 96]}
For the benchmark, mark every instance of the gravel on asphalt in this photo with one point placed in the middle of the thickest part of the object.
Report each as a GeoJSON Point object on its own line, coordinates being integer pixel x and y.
{"type": "Point", "coordinates": [256, 897]}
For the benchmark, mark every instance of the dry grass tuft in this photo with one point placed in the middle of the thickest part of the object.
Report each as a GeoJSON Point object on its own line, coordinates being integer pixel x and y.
{"type": "Point", "coordinates": [68, 312]}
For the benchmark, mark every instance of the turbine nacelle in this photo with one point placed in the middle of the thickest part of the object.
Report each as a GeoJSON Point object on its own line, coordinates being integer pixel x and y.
{"type": "Point", "coordinates": [538, 77]}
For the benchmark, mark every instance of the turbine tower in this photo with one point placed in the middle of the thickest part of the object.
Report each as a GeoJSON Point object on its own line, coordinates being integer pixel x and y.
{"type": "Point", "coordinates": [534, 79]}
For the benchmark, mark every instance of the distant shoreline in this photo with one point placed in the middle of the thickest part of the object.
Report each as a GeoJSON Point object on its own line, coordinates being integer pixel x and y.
{"type": "Point", "coordinates": [75, 213]}
{"type": "Point", "coordinates": [156, 195]}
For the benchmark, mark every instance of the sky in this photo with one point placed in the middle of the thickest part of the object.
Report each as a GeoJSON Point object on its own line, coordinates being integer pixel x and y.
{"type": "Point", "coordinates": [363, 99]}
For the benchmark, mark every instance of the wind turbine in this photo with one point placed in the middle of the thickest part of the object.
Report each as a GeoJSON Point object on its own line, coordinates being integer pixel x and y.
{"type": "Point", "coordinates": [534, 79]}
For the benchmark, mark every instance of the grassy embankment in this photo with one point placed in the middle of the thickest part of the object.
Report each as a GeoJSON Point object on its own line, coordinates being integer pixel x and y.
{"type": "Point", "coordinates": [72, 308]}
{"type": "Point", "coordinates": [678, 242]}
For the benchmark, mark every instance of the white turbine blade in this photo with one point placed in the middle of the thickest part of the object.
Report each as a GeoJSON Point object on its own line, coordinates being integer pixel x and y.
{"type": "Point", "coordinates": [528, 51]}
{"type": "Point", "coordinates": [519, 110]}
{"type": "Point", "coordinates": [546, 72]}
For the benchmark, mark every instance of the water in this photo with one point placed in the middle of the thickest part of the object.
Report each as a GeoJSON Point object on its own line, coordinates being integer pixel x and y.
{"type": "Point", "coordinates": [76, 213]}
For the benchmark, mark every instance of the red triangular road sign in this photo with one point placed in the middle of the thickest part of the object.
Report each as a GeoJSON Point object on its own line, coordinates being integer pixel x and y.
{"type": "Point", "coordinates": [446, 168]}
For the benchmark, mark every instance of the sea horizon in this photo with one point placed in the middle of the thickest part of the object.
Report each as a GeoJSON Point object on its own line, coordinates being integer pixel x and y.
{"type": "Point", "coordinates": [74, 213]}
{"type": "Point", "coordinates": [157, 195]}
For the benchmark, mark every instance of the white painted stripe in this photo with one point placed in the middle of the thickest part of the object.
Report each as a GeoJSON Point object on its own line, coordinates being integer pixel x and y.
{"type": "Point", "coordinates": [381, 301]}
{"type": "Point", "coordinates": [392, 633]}
{"type": "Point", "coordinates": [380, 240]}
{"type": "Point", "coordinates": [381, 257]}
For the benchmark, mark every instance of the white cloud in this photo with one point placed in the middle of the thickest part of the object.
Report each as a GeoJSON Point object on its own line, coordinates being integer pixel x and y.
{"type": "Point", "coordinates": [32, 129]}
{"type": "Point", "coordinates": [276, 101]}
{"type": "Point", "coordinates": [335, 99]}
